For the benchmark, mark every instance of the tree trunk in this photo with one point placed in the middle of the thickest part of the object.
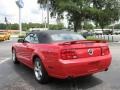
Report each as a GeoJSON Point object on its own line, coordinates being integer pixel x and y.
{"type": "Point", "coordinates": [75, 26]}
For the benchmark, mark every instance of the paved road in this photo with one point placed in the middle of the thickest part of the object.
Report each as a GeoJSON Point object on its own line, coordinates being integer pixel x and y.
{"type": "Point", "coordinates": [19, 77]}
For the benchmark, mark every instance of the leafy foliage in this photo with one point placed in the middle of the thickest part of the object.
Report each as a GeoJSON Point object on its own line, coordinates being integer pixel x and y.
{"type": "Point", "coordinates": [102, 12]}
{"type": "Point", "coordinates": [117, 26]}
{"type": "Point", "coordinates": [88, 26]}
{"type": "Point", "coordinates": [26, 26]}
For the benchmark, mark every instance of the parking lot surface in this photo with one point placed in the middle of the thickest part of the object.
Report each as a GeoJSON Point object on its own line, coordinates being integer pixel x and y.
{"type": "Point", "coordinates": [19, 77]}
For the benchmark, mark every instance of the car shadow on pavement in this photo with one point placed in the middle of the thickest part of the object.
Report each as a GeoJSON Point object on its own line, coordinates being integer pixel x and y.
{"type": "Point", "coordinates": [26, 75]}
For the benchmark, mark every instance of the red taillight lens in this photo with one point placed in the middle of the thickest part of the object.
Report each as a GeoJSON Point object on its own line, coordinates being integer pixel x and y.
{"type": "Point", "coordinates": [105, 51]}
{"type": "Point", "coordinates": [68, 54]}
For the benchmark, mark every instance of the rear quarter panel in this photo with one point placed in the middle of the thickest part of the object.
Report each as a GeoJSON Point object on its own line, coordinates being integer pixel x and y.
{"type": "Point", "coordinates": [48, 53]}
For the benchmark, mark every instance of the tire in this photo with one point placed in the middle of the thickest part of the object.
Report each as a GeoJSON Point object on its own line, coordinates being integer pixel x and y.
{"type": "Point", "coordinates": [14, 58]}
{"type": "Point", "coordinates": [39, 72]}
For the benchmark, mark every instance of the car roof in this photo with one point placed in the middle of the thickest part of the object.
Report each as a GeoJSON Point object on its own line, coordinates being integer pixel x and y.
{"type": "Point", "coordinates": [45, 36]}
{"type": "Point", "coordinates": [49, 32]}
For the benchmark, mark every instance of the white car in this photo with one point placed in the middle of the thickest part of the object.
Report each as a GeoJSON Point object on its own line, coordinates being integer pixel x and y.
{"type": "Point", "coordinates": [116, 32]}
{"type": "Point", "coordinates": [98, 32]}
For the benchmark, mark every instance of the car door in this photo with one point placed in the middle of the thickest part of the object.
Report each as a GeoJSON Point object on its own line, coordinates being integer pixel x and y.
{"type": "Point", "coordinates": [28, 48]}
{"type": "Point", "coordinates": [22, 49]}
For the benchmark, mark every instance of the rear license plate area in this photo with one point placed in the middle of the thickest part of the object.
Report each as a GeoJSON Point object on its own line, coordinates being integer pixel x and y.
{"type": "Point", "coordinates": [93, 66]}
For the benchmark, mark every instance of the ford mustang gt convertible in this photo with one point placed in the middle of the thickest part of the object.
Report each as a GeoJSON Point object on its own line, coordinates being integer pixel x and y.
{"type": "Point", "coordinates": [61, 54]}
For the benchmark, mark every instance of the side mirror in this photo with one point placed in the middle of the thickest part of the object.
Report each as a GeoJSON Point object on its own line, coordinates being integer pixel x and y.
{"type": "Point", "coordinates": [21, 40]}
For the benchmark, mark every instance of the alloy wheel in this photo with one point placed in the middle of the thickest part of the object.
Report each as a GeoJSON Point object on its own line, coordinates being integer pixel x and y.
{"type": "Point", "coordinates": [38, 70]}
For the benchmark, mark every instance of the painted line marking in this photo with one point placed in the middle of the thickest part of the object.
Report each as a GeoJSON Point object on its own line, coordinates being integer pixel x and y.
{"type": "Point", "coordinates": [4, 60]}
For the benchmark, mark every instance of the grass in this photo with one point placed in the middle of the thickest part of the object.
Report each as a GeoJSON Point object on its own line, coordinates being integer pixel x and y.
{"type": "Point", "coordinates": [93, 38]}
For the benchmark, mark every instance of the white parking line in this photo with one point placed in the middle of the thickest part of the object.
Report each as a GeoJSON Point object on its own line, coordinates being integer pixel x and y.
{"type": "Point", "coordinates": [4, 60]}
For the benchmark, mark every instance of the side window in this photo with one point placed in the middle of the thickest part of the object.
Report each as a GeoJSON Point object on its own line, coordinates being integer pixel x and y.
{"type": "Point", "coordinates": [28, 38]}
{"type": "Point", "coordinates": [32, 38]}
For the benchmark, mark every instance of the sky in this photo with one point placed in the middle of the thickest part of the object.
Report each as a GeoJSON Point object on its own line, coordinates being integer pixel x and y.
{"type": "Point", "coordinates": [30, 13]}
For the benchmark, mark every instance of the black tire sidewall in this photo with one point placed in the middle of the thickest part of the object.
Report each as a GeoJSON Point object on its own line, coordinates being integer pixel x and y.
{"type": "Point", "coordinates": [14, 61]}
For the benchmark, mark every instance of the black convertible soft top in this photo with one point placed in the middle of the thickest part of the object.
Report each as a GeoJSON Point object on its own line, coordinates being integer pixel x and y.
{"type": "Point", "coordinates": [49, 32]}
{"type": "Point", "coordinates": [45, 36]}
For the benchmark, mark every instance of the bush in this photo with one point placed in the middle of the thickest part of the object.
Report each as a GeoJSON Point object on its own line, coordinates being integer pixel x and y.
{"type": "Point", "coordinates": [56, 27]}
{"type": "Point", "coordinates": [93, 38]}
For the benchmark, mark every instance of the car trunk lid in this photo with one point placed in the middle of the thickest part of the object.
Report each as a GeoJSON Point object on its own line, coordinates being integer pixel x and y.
{"type": "Point", "coordinates": [83, 49]}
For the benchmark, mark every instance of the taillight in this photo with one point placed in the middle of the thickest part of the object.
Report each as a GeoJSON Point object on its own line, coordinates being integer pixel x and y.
{"type": "Point", "coordinates": [68, 54]}
{"type": "Point", "coordinates": [105, 51]}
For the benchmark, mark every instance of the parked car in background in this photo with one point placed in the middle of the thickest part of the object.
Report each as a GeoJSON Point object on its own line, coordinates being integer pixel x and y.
{"type": "Point", "coordinates": [8, 35]}
{"type": "Point", "coordinates": [4, 35]}
{"type": "Point", "coordinates": [116, 32]}
{"type": "Point", "coordinates": [107, 32]}
{"type": "Point", "coordinates": [61, 54]}
{"type": "Point", "coordinates": [87, 34]}
{"type": "Point", "coordinates": [98, 32]}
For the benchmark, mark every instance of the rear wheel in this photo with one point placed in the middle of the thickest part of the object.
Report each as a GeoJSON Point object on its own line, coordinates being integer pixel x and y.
{"type": "Point", "coordinates": [39, 71]}
{"type": "Point", "coordinates": [14, 58]}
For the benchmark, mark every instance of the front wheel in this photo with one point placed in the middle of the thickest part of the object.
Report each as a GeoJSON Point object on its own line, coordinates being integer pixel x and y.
{"type": "Point", "coordinates": [39, 71]}
{"type": "Point", "coordinates": [14, 58]}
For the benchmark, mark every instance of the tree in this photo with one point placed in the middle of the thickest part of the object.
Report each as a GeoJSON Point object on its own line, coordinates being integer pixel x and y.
{"type": "Point", "coordinates": [117, 26]}
{"type": "Point", "coordinates": [56, 27]}
{"type": "Point", "coordinates": [88, 26]}
{"type": "Point", "coordinates": [73, 7]}
{"type": "Point", "coordinates": [15, 26]}
{"type": "Point", "coordinates": [42, 3]}
{"type": "Point", "coordinates": [107, 13]}
{"type": "Point", "coordinates": [2, 26]}
{"type": "Point", "coordinates": [26, 27]}
{"type": "Point", "coordinates": [102, 12]}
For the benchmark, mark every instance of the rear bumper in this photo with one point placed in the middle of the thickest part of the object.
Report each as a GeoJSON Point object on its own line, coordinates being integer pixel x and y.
{"type": "Point", "coordinates": [79, 67]}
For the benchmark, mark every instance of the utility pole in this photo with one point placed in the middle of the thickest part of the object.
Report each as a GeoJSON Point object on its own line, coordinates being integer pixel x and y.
{"type": "Point", "coordinates": [45, 23]}
{"type": "Point", "coordinates": [20, 5]}
{"type": "Point", "coordinates": [20, 23]}
{"type": "Point", "coordinates": [6, 21]}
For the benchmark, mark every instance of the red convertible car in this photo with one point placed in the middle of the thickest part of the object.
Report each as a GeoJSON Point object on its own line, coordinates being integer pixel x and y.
{"type": "Point", "coordinates": [61, 54]}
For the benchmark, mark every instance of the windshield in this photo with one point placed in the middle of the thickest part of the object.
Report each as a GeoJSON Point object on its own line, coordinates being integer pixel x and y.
{"type": "Point", "coordinates": [66, 37]}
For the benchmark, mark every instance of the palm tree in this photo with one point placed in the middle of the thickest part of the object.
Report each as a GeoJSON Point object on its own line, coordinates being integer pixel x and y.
{"type": "Point", "coordinates": [44, 4]}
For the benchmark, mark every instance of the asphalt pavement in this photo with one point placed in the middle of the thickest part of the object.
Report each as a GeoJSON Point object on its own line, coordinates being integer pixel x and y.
{"type": "Point", "coordinates": [19, 77]}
